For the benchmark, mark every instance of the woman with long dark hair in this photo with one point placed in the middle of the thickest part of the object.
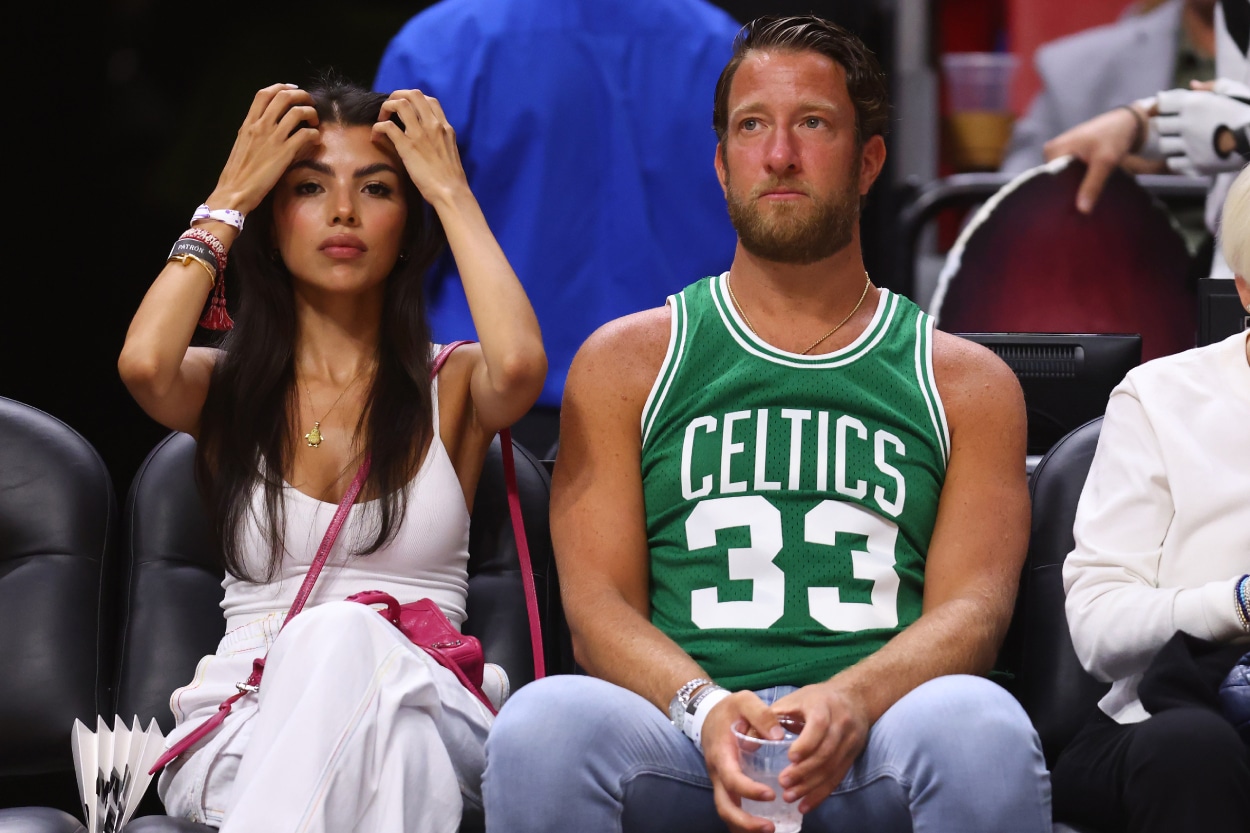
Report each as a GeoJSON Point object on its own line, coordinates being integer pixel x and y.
{"type": "Point", "coordinates": [348, 197]}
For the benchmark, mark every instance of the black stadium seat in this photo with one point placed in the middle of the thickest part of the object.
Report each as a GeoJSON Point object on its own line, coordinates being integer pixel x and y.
{"type": "Point", "coordinates": [58, 524]}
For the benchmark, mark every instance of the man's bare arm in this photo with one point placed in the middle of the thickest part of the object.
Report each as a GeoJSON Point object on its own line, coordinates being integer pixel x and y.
{"type": "Point", "coordinates": [598, 520]}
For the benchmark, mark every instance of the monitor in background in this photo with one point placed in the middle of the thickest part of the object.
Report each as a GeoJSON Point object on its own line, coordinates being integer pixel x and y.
{"type": "Point", "coordinates": [1067, 377]}
{"type": "Point", "coordinates": [1220, 313]}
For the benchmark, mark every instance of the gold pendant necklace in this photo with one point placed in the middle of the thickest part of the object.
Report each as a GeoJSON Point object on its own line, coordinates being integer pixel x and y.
{"type": "Point", "coordinates": [314, 437]}
{"type": "Point", "coordinates": [812, 346]}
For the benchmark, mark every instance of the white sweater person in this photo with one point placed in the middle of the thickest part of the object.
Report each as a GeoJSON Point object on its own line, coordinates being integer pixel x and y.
{"type": "Point", "coordinates": [1163, 525]}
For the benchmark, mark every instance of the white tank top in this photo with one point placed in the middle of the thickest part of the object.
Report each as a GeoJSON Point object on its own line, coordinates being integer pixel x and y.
{"type": "Point", "coordinates": [427, 558]}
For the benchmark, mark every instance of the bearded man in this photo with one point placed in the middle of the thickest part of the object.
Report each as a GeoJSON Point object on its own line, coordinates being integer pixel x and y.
{"type": "Point", "coordinates": [783, 493]}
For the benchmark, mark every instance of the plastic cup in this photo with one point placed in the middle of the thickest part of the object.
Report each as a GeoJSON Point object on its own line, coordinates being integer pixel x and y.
{"type": "Point", "coordinates": [762, 760]}
{"type": "Point", "coordinates": [979, 121]}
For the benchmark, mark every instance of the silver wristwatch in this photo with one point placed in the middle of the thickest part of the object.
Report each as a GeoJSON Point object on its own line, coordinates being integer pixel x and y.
{"type": "Point", "coordinates": [677, 706]}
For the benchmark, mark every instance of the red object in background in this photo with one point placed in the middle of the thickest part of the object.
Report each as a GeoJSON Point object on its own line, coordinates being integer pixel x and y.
{"type": "Point", "coordinates": [1018, 26]}
{"type": "Point", "coordinates": [1032, 264]}
{"type": "Point", "coordinates": [1030, 23]}
{"type": "Point", "coordinates": [971, 25]}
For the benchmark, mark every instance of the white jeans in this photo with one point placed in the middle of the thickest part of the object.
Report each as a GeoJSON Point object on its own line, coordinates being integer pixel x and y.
{"type": "Point", "coordinates": [354, 728]}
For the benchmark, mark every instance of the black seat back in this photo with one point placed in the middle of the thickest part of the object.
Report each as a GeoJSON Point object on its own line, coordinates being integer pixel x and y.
{"type": "Point", "coordinates": [1054, 689]}
{"type": "Point", "coordinates": [58, 521]}
{"type": "Point", "coordinates": [170, 614]}
{"type": "Point", "coordinates": [497, 613]}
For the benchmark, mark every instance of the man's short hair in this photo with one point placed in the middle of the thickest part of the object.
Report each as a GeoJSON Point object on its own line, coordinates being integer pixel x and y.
{"type": "Point", "coordinates": [865, 81]}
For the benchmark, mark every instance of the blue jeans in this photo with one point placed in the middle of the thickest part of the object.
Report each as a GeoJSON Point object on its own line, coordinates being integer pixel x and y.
{"type": "Point", "coordinates": [573, 752]}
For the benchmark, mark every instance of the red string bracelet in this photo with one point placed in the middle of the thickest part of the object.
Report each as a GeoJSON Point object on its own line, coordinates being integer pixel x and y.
{"type": "Point", "coordinates": [215, 317]}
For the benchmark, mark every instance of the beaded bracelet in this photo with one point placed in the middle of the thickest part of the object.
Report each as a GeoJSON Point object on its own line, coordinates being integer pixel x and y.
{"type": "Point", "coordinates": [219, 248]}
{"type": "Point", "coordinates": [215, 315]}
{"type": "Point", "coordinates": [222, 215]}
{"type": "Point", "coordinates": [1241, 597]}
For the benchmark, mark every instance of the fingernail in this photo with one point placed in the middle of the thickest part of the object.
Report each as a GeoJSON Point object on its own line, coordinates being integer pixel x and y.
{"type": "Point", "coordinates": [1083, 205]}
{"type": "Point", "coordinates": [776, 733]}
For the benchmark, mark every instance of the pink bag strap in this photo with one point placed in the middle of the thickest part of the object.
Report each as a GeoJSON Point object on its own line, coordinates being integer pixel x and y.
{"type": "Point", "coordinates": [332, 532]}
{"type": "Point", "coordinates": [518, 527]}
{"type": "Point", "coordinates": [522, 551]}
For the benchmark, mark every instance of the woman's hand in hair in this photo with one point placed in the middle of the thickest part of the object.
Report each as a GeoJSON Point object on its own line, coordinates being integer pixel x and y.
{"type": "Point", "coordinates": [506, 374]}
{"type": "Point", "coordinates": [416, 125]}
{"type": "Point", "coordinates": [280, 126]}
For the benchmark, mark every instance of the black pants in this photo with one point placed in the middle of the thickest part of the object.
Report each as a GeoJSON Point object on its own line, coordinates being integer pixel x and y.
{"type": "Point", "coordinates": [1181, 770]}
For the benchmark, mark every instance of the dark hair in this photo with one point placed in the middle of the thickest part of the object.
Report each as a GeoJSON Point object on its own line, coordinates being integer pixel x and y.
{"type": "Point", "coordinates": [246, 426]}
{"type": "Point", "coordinates": [865, 82]}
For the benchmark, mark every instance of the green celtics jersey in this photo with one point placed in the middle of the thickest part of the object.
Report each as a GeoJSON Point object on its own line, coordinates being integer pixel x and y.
{"type": "Point", "coordinates": [790, 499]}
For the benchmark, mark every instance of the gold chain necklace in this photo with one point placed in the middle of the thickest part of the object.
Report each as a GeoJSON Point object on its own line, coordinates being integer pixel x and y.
{"type": "Point", "coordinates": [314, 437]}
{"type": "Point", "coordinates": [836, 327]}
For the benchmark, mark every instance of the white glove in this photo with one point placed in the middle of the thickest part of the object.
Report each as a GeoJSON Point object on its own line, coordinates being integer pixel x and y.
{"type": "Point", "coordinates": [1232, 89]}
{"type": "Point", "coordinates": [1188, 121]}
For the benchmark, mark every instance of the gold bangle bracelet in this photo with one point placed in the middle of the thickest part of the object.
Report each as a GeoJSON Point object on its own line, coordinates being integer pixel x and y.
{"type": "Point", "coordinates": [185, 257]}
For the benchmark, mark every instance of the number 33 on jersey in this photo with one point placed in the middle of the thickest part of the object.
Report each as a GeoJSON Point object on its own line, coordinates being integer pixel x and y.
{"type": "Point", "coordinates": [790, 499]}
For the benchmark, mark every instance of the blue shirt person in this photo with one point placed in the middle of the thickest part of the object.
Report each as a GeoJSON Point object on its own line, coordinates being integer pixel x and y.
{"type": "Point", "coordinates": [585, 127]}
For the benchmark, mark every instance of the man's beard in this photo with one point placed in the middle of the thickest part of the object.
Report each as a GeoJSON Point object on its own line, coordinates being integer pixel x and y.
{"type": "Point", "coordinates": [787, 233]}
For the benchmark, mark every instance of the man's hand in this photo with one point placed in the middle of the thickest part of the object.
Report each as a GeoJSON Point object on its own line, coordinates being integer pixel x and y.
{"type": "Point", "coordinates": [834, 734]}
{"type": "Point", "coordinates": [1101, 143]}
{"type": "Point", "coordinates": [740, 710]}
{"type": "Point", "coordinates": [835, 731]}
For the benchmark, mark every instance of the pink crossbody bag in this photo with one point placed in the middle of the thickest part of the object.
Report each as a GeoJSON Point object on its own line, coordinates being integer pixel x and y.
{"type": "Point", "coordinates": [421, 621]}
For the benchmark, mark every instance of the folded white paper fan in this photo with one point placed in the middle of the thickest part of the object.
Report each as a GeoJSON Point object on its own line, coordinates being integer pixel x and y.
{"type": "Point", "coordinates": [112, 768]}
